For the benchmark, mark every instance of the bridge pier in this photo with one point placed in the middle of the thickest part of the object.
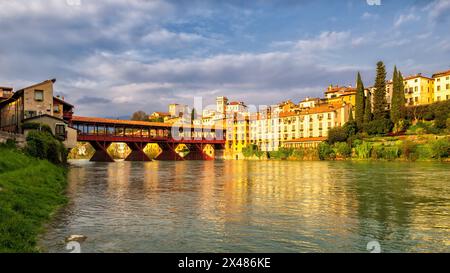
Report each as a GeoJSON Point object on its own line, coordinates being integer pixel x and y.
{"type": "Point", "coordinates": [101, 153]}
{"type": "Point", "coordinates": [196, 152]}
{"type": "Point", "coordinates": [137, 152]}
{"type": "Point", "coordinates": [168, 152]}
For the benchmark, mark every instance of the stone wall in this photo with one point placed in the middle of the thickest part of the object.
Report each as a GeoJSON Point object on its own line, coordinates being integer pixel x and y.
{"type": "Point", "coordinates": [19, 138]}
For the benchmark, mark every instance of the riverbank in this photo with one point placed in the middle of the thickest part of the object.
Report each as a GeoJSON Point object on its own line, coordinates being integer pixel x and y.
{"type": "Point", "coordinates": [31, 190]}
{"type": "Point", "coordinates": [388, 148]}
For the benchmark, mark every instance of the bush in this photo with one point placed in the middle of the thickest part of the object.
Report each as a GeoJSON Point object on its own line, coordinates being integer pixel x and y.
{"type": "Point", "coordinates": [391, 152]}
{"type": "Point", "coordinates": [251, 150]}
{"type": "Point", "coordinates": [342, 149]}
{"type": "Point", "coordinates": [325, 151]}
{"type": "Point", "coordinates": [43, 145]}
{"type": "Point", "coordinates": [337, 134]}
{"type": "Point", "coordinates": [378, 127]}
{"type": "Point", "coordinates": [440, 148]}
{"type": "Point", "coordinates": [363, 150]}
{"type": "Point", "coordinates": [408, 150]}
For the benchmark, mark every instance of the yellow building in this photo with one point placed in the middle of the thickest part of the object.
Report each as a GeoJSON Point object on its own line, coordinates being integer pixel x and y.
{"type": "Point", "coordinates": [419, 90]}
{"type": "Point", "coordinates": [339, 94]}
{"type": "Point", "coordinates": [237, 136]}
{"type": "Point", "coordinates": [313, 123]}
{"type": "Point", "coordinates": [442, 86]}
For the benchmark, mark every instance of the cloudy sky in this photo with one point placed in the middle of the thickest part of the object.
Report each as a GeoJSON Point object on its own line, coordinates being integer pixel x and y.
{"type": "Point", "coordinates": [113, 57]}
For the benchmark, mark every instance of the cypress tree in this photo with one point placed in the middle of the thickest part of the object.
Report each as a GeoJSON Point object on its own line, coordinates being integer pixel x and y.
{"type": "Point", "coordinates": [368, 109]}
{"type": "Point", "coordinates": [359, 111]}
{"type": "Point", "coordinates": [395, 103]}
{"type": "Point", "coordinates": [379, 96]}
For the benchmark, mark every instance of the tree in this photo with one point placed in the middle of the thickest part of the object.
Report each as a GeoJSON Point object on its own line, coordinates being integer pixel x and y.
{"type": "Point", "coordinates": [368, 108]}
{"type": "Point", "coordinates": [360, 103]}
{"type": "Point", "coordinates": [401, 95]}
{"type": "Point", "coordinates": [139, 116]}
{"type": "Point", "coordinates": [379, 96]}
{"type": "Point", "coordinates": [193, 115]}
{"type": "Point", "coordinates": [395, 114]}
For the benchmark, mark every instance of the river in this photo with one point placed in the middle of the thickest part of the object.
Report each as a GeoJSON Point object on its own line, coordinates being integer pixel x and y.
{"type": "Point", "coordinates": [255, 206]}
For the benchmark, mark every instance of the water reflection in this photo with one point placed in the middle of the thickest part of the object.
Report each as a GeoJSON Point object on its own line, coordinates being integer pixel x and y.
{"type": "Point", "coordinates": [246, 206]}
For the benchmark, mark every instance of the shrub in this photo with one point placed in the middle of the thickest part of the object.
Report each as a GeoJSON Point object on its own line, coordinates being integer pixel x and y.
{"type": "Point", "coordinates": [337, 134]}
{"type": "Point", "coordinates": [342, 149]}
{"type": "Point", "coordinates": [298, 154]}
{"type": "Point", "coordinates": [325, 151]}
{"type": "Point", "coordinates": [408, 150]}
{"type": "Point", "coordinates": [43, 145]}
{"type": "Point", "coordinates": [363, 150]}
{"type": "Point", "coordinates": [378, 127]}
{"type": "Point", "coordinates": [440, 148]}
{"type": "Point", "coordinates": [377, 151]}
{"type": "Point", "coordinates": [391, 152]}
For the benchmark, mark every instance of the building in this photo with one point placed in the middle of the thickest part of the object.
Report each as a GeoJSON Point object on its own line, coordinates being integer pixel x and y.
{"type": "Point", "coordinates": [237, 134]}
{"type": "Point", "coordinates": [159, 116]}
{"type": "Point", "coordinates": [175, 109]}
{"type": "Point", "coordinates": [5, 93]}
{"type": "Point", "coordinates": [36, 104]}
{"type": "Point", "coordinates": [419, 89]}
{"type": "Point", "coordinates": [312, 122]}
{"type": "Point", "coordinates": [338, 94]}
{"type": "Point", "coordinates": [265, 129]}
{"type": "Point", "coordinates": [441, 86]}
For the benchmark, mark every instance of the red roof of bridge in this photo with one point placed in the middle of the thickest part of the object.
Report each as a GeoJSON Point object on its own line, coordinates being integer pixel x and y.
{"type": "Point", "coordinates": [126, 122]}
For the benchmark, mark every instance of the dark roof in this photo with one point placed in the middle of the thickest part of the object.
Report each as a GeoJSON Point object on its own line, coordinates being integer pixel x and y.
{"type": "Point", "coordinates": [62, 101]}
{"type": "Point", "coordinates": [45, 115]}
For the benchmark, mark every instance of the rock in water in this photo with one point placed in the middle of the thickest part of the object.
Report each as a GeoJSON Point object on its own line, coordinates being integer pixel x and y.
{"type": "Point", "coordinates": [76, 238]}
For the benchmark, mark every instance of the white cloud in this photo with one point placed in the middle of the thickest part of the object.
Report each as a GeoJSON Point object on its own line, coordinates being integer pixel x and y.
{"type": "Point", "coordinates": [405, 18]}
{"type": "Point", "coordinates": [369, 16]}
{"type": "Point", "coordinates": [326, 40]}
{"type": "Point", "coordinates": [438, 10]}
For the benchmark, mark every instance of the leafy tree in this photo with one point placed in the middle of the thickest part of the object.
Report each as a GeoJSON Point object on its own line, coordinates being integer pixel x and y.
{"type": "Point", "coordinates": [379, 96]}
{"type": "Point", "coordinates": [360, 103]}
{"type": "Point", "coordinates": [139, 116]}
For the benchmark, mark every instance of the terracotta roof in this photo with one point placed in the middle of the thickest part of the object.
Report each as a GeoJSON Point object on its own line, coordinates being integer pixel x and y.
{"type": "Point", "coordinates": [442, 73]}
{"type": "Point", "coordinates": [416, 76]}
{"type": "Point", "coordinates": [127, 122]}
{"type": "Point", "coordinates": [161, 113]}
{"type": "Point", "coordinates": [307, 139]}
{"type": "Point", "coordinates": [334, 89]}
{"type": "Point", "coordinates": [322, 108]}
{"type": "Point", "coordinates": [235, 103]}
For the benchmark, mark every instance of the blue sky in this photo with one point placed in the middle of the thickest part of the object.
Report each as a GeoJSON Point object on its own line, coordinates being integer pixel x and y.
{"type": "Point", "coordinates": [111, 58]}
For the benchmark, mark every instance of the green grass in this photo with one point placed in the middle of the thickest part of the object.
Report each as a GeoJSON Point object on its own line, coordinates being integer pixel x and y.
{"type": "Point", "coordinates": [30, 192]}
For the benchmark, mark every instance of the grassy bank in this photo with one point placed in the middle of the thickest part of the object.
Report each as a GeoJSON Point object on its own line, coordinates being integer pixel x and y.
{"type": "Point", "coordinates": [30, 191]}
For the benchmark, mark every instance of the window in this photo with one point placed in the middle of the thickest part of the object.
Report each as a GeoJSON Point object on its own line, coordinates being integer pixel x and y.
{"type": "Point", "coordinates": [438, 98]}
{"type": "Point", "coordinates": [447, 86]}
{"type": "Point", "coordinates": [60, 130]}
{"type": "Point", "coordinates": [416, 89]}
{"type": "Point", "coordinates": [438, 88]}
{"type": "Point", "coordinates": [39, 95]}
{"type": "Point", "coordinates": [56, 108]}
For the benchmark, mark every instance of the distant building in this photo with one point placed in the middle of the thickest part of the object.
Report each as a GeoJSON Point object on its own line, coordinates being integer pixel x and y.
{"type": "Point", "coordinates": [175, 109]}
{"type": "Point", "coordinates": [36, 104]}
{"type": "Point", "coordinates": [441, 85]}
{"type": "Point", "coordinates": [419, 90]}
{"type": "Point", "coordinates": [337, 94]}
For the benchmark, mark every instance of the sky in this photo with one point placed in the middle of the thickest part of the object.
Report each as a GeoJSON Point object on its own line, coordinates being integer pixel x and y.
{"type": "Point", "coordinates": [111, 58]}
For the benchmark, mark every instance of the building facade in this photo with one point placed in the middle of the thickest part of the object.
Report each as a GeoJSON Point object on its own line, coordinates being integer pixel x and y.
{"type": "Point", "coordinates": [441, 86]}
{"type": "Point", "coordinates": [419, 90]}
{"type": "Point", "coordinates": [36, 104]}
